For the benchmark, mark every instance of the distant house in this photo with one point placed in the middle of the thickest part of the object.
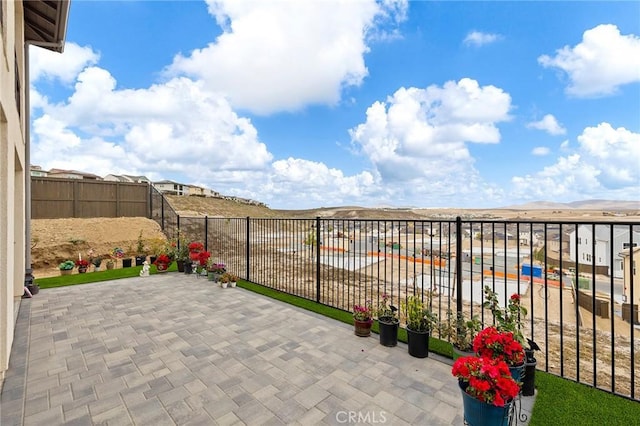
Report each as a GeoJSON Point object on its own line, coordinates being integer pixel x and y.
{"type": "Point", "coordinates": [527, 238]}
{"type": "Point", "coordinates": [127, 178]}
{"type": "Point", "coordinates": [202, 192]}
{"type": "Point", "coordinates": [171, 187]}
{"type": "Point", "coordinates": [583, 252]}
{"type": "Point", "coordinates": [72, 174]}
{"type": "Point", "coordinates": [36, 171]}
{"type": "Point", "coordinates": [630, 261]}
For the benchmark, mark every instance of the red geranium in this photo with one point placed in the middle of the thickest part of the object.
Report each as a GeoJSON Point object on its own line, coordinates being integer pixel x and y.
{"type": "Point", "coordinates": [196, 246]}
{"type": "Point", "coordinates": [494, 344]}
{"type": "Point", "coordinates": [488, 380]}
{"type": "Point", "coordinates": [163, 258]}
{"type": "Point", "coordinates": [81, 263]}
{"type": "Point", "coordinates": [203, 257]}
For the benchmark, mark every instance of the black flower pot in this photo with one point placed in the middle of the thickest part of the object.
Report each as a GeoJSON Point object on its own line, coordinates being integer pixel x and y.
{"type": "Point", "coordinates": [140, 260]}
{"type": "Point", "coordinates": [388, 332]}
{"type": "Point", "coordinates": [180, 264]}
{"type": "Point", "coordinates": [529, 379]}
{"type": "Point", "coordinates": [188, 268]}
{"type": "Point", "coordinates": [126, 263]}
{"type": "Point", "coordinates": [418, 342]}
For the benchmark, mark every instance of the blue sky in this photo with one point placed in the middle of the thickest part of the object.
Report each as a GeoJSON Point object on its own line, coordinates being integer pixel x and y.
{"type": "Point", "coordinates": [314, 103]}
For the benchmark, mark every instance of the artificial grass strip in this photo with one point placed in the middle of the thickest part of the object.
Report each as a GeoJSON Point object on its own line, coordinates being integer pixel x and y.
{"type": "Point", "coordinates": [562, 402]}
{"type": "Point", "coordinates": [92, 277]}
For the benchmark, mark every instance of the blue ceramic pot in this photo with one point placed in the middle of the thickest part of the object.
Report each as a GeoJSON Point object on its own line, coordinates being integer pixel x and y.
{"type": "Point", "coordinates": [478, 413]}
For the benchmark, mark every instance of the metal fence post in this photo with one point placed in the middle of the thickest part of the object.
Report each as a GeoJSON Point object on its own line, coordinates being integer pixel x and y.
{"type": "Point", "coordinates": [318, 259]}
{"type": "Point", "coordinates": [162, 212]}
{"type": "Point", "coordinates": [458, 264]}
{"type": "Point", "coordinates": [206, 233]}
{"type": "Point", "coordinates": [248, 278]}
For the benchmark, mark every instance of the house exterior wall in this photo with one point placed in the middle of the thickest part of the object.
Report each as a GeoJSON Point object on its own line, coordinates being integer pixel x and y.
{"type": "Point", "coordinates": [12, 172]}
{"type": "Point", "coordinates": [604, 248]}
{"type": "Point", "coordinates": [631, 261]}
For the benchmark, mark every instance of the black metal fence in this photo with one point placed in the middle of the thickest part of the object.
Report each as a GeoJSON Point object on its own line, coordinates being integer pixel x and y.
{"type": "Point", "coordinates": [578, 280]}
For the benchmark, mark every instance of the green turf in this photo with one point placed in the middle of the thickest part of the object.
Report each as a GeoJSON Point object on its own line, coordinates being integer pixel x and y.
{"type": "Point", "coordinates": [558, 401]}
{"type": "Point", "coordinates": [564, 402]}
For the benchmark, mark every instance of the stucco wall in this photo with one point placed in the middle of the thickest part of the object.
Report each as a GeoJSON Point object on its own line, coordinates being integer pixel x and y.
{"type": "Point", "coordinates": [12, 166]}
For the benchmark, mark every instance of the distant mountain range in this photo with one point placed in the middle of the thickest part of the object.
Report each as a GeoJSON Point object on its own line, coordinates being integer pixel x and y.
{"type": "Point", "coordinates": [610, 205]}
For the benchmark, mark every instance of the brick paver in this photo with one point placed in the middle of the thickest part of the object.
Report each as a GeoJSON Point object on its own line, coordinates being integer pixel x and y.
{"type": "Point", "coordinates": [173, 349]}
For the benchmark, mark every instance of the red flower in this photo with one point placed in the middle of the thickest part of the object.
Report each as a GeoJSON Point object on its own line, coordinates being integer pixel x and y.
{"type": "Point", "coordinates": [487, 379]}
{"type": "Point", "coordinates": [163, 258]}
{"type": "Point", "coordinates": [196, 246]}
{"type": "Point", "coordinates": [491, 343]}
{"type": "Point", "coordinates": [515, 297]}
{"type": "Point", "coordinates": [203, 256]}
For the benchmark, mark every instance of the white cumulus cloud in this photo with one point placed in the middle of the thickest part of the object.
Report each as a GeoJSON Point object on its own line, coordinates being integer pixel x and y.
{"type": "Point", "coordinates": [173, 127]}
{"type": "Point", "coordinates": [600, 64]}
{"type": "Point", "coordinates": [418, 136]}
{"type": "Point", "coordinates": [549, 124]}
{"type": "Point", "coordinates": [540, 151]}
{"type": "Point", "coordinates": [604, 164]}
{"type": "Point", "coordinates": [284, 55]}
{"type": "Point", "coordinates": [45, 63]}
{"type": "Point", "coordinates": [478, 38]}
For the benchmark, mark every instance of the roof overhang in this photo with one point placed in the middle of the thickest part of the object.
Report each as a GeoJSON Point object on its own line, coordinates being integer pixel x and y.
{"type": "Point", "coordinates": [45, 23]}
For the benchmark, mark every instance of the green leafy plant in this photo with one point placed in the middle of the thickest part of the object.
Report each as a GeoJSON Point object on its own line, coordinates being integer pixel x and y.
{"type": "Point", "coordinates": [509, 318]}
{"type": "Point", "coordinates": [386, 312]}
{"type": "Point", "coordinates": [67, 265]}
{"type": "Point", "coordinates": [140, 245]}
{"type": "Point", "coordinates": [460, 330]}
{"type": "Point", "coordinates": [419, 317]}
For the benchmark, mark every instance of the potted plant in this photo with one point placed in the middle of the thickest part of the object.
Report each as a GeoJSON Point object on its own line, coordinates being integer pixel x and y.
{"type": "Point", "coordinates": [228, 279]}
{"type": "Point", "coordinates": [202, 260]}
{"type": "Point", "coordinates": [82, 265]}
{"type": "Point", "coordinates": [180, 250]}
{"type": "Point", "coordinates": [420, 321]}
{"type": "Point", "coordinates": [363, 319]}
{"type": "Point", "coordinates": [110, 264]}
{"type": "Point", "coordinates": [118, 253]}
{"type": "Point", "coordinates": [492, 343]}
{"type": "Point", "coordinates": [488, 390]}
{"type": "Point", "coordinates": [510, 319]}
{"type": "Point", "coordinates": [194, 249]}
{"type": "Point", "coordinates": [163, 262]}
{"type": "Point", "coordinates": [66, 267]}
{"type": "Point", "coordinates": [460, 331]}
{"type": "Point", "coordinates": [215, 270]}
{"type": "Point", "coordinates": [96, 262]}
{"type": "Point", "coordinates": [141, 255]}
{"type": "Point", "coordinates": [388, 322]}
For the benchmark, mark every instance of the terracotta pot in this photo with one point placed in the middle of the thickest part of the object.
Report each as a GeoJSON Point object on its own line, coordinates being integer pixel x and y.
{"type": "Point", "coordinates": [362, 328]}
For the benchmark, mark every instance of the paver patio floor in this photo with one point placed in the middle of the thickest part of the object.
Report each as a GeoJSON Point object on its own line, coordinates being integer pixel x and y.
{"type": "Point", "coordinates": [173, 349]}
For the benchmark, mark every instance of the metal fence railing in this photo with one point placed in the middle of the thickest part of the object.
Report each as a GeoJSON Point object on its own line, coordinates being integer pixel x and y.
{"type": "Point", "coordinates": [578, 280]}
